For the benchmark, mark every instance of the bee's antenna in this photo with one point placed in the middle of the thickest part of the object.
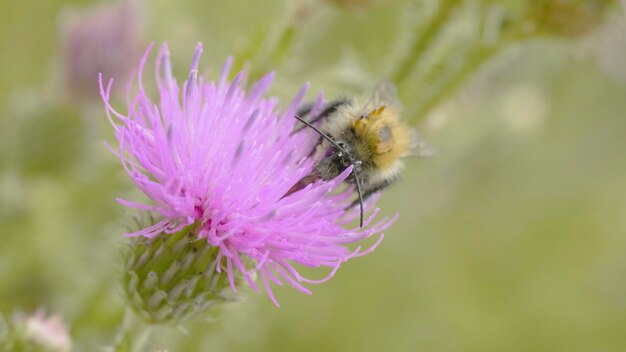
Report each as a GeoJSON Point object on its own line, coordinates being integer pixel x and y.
{"type": "Point", "coordinates": [358, 191]}
{"type": "Point", "coordinates": [324, 135]}
{"type": "Point", "coordinates": [356, 174]}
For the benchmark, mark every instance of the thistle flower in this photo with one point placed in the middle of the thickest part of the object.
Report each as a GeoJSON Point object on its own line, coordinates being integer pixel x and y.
{"type": "Point", "coordinates": [49, 332]}
{"type": "Point", "coordinates": [36, 332]}
{"type": "Point", "coordinates": [219, 159]}
{"type": "Point", "coordinates": [102, 39]}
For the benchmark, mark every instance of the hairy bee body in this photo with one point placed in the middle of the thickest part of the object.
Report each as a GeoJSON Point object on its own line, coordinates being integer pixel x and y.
{"type": "Point", "coordinates": [368, 135]}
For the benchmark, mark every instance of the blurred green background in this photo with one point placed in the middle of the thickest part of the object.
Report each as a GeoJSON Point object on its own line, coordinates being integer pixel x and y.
{"type": "Point", "coordinates": [513, 238]}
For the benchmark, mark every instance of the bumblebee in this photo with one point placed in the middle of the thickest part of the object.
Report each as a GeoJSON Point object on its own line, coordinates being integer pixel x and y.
{"type": "Point", "coordinates": [369, 136]}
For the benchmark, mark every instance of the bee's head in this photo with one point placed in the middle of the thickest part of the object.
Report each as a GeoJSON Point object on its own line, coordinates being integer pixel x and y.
{"type": "Point", "coordinates": [345, 155]}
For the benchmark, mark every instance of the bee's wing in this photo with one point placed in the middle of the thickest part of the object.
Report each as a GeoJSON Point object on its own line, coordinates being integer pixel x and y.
{"type": "Point", "coordinates": [424, 150]}
{"type": "Point", "coordinates": [421, 149]}
{"type": "Point", "coordinates": [386, 93]}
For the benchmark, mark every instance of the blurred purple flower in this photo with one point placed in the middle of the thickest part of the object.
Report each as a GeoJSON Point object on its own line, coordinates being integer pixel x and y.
{"type": "Point", "coordinates": [222, 160]}
{"type": "Point", "coordinates": [104, 39]}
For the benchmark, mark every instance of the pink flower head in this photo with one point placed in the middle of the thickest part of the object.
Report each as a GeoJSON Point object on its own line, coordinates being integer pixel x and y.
{"type": "Point", "coordinates": [48, 332]}
{"type": "Point", "coordinates": [222, 158]}
{"type": "Point", "coordinates": [104, 38]}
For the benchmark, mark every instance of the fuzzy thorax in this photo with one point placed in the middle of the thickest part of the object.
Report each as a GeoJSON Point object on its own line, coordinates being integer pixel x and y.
{"type": "Point", "coordinates": [386, 136]}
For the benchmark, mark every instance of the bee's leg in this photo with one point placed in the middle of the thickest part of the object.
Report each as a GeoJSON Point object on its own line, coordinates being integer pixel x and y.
{"type": "Point", "coordinates": [373, 189]}
{"type": "Point", "coordinates": [304, 110]}
{"type": "Point", "coordinates": [329, 110]}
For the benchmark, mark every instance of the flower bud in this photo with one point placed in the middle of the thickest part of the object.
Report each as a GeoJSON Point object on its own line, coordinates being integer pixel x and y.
{"type": "Point", "coordinates": [569, 18]}
{"type": "Point", "coordinates": [171, 278]}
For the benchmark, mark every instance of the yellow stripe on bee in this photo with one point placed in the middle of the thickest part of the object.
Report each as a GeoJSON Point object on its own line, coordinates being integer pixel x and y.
{"type": "Point", "coordinates": [387, 138]}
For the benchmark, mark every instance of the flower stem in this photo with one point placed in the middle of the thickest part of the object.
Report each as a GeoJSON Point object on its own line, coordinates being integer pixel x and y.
{"type": "Point", "coordinates": [142, 337]}
{"type": "Point", "coordinates": [271, 48]}
{"type": "Point", "coordinates": [477, 58]}
{"type": "Point", "coordinates": [474, 62]}
{"type": "Point", "coordinates": [283, 44]}
{"type": "Point", "coordinates": [133, 334]}
{"type": "Point", "coordinates": [275, 52]}
{"type": "Point", "coordinates": [423, 41]}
